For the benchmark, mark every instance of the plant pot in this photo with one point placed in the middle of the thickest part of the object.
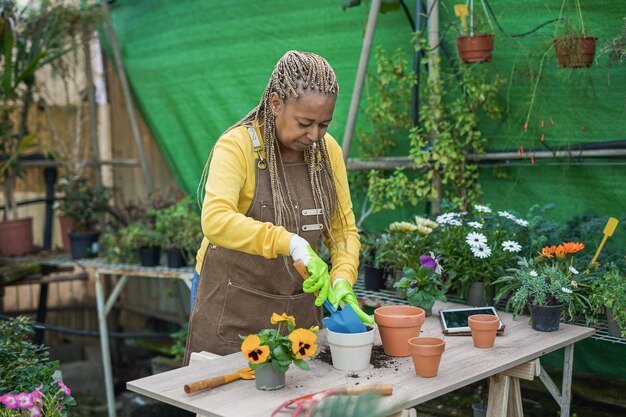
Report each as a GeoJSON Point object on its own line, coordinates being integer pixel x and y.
{"type": "Point", "coordinates": [374, 278]}
{"type": "Point", "coordinates": [175, 258]}
{"type": "Point", "coordinates": [484, 328]}
{"type": "Point", "coordinates": [351, 351]}
{"type": "Point", "coordinates": [269, 379]}
{"type": "Point", "coordinates": [426, 353]}
{"type": "Point", "coordinates": [66, 225]}
{"type": "Point", "coordinates": [476, 295]}
{"type": "Point", "coordinates": [16, 237]}
{"type": "Point", "coordinates": [545, 318]}
{"type": "Point", "coordinates": [480, 410]}
{"type": "Point", "coordinates": [575, 51]}
{"type": "Point", "coordinates": [612, 326]}
{"type": "Point", "coordinates": [475, 48]}
{"type": "Point", "coordinates": [149, 256]}
{"type": "Point", "coordinates": [84, 244]}
{"type": "Point", "coordinates": [398, 324]}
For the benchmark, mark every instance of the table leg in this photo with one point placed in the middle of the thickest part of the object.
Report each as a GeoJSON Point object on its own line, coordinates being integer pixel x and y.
{"type": "Point", "coordinates": [104, 346]}
{"type": "Point", "coordinates": [498, 402]}
{"type": "Point", "coordinates": [515, 399]}
{"type": "Point", "coordinates": [566, 388]}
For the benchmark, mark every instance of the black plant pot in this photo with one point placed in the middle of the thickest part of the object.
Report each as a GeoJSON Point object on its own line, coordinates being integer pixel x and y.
{"type": "Point", "coordinates": [84, 244]}
{"type": "Point", "coordinates": [545, 318]}
{"type": "Point", "coordinates": [374, 278]}
{"type": "Point", "coordinates": [150, 256]}
{"type": "Point", "coordinates": [175, 258]}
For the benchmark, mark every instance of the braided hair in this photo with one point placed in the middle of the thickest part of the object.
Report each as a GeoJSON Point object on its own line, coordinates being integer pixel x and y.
{"type": "Point", "coordinates": [295, 73]}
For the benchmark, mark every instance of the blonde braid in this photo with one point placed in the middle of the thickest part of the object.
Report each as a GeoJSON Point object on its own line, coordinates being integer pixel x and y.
{"type": "Point", "coordinates": [310, 72]}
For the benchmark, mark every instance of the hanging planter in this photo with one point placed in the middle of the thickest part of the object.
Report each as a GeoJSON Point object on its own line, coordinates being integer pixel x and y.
{"type": "Point", "coordinates": [575, 51]}
{"type": "Point", "coordinates": [475, 48]}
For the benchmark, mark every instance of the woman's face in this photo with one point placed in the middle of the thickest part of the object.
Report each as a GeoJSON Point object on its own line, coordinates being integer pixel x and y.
{"type": "Point", "coordinates": [300, 122]}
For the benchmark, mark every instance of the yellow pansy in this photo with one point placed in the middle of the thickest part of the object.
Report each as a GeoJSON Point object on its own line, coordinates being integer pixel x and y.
{"type": "Point", "coordinates": [303, 343]}
{"type": "Point", "coordinates": [253, 351]}
{"type": "Point", "coordinates": [276, 318]}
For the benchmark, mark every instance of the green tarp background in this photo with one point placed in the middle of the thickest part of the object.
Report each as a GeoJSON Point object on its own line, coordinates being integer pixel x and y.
{"type": "Point", "coordinates": [197, 66]}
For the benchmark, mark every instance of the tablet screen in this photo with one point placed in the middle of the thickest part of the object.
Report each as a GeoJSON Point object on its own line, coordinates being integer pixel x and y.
{"type": "Point", "coordinates": [455, 320]}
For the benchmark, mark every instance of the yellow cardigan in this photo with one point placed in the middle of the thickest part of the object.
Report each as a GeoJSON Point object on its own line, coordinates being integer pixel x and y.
{"type": "Point", "coordinates": [228, 194]}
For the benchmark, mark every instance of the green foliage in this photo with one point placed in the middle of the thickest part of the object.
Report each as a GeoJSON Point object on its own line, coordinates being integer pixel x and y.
{"type": "Point", "coordinates": [422, 287]}
{"type": "Point", "coordinates": [122, 246]}
{"type": "Point", "coordinates": [615, 48]}
{"type": "Point", "coordinates": [608, 290]}
{"type": "Point", "coordinates": [180, 339]}
{"type": "Point", "coordinates": [82, 202]}
{"type": "Point", "coordinates": [404, 243]}
{"type": "Point", "coordinates": [180, 227]}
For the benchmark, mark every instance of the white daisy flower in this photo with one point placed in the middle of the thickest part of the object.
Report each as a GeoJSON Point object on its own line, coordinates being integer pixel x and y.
{"type": "Point", "coordinates": [506, 215]}
{"type": "Point", "coordinates": [482, 209]}
{"type": "Point", "coordinates": [566, 290]}
{"type": "Point", "coordinates": [573, 270]}
{"type": "Point", "coordinates": [455, 222]}
{"type": "Point", "coordinates": [475, 225]}
{"type": "Point", "coordinates": [476, 239]}
{"type": "Point", "coordinates": [511, 246]}
{"type": "Point", "coordinates": [533, 273]}
{"type": "Point", "coordinates": [403, 226]}
{"type": "Point", "coordinates": [482, 251]}
{"type": "Point", "coordinates": [521, 222]}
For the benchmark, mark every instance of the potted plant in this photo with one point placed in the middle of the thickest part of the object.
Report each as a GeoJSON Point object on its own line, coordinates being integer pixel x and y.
{"type": "Point", "coordinates": [374, 271]}
{"type": "Point", "coordinates": [424, 286]}
{"type": "Point", "coordinates": [479, 247]}
{"type": "Point", "coordinates": [145, 240]}
{"type": "Point", "coordinates": [476, 42]}
{"type": "Point", "coordinates": [271, 351]}
{"type": "Point", "coordinates": [608, 295]}
{"type": "Point", "coordinates": [32, 37]}
{"type": "Point", "coordinates": [27, 384]}
{"type": "Point", "coordinates": [181, 231]}
{"type": "Point", "coordinates": [551, 287]}
{"type": "Point", "coordinates": [573, 47]}
{"type": "Point", "coordinates": [84, 205]}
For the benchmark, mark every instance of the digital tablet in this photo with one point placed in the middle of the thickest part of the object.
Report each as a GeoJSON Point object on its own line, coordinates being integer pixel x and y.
{"type": "Point", "coordinates": [454, 321]}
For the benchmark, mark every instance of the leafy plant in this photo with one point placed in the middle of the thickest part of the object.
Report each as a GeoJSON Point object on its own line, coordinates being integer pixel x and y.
{"type": "Point", "coordinates": [27, 386]}
{"type": "Point", "coordinates": [608, 290]}
{"type": "Point", "coordinates": [82, 202]}
{"type": "Point", "coordinates": [179, 226]}
{"type": "Point", "coordinates": [272, 346]}
{"type": "Point", "coordinates": [423, 286]}
{"type": "Point", "coordinates": [180, 339]}
{"type": "Point", "coordinates": [403, 244]}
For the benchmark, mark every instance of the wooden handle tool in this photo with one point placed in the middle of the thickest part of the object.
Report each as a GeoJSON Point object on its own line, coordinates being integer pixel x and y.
{"type": "Point", "coordinates": [245, 373]}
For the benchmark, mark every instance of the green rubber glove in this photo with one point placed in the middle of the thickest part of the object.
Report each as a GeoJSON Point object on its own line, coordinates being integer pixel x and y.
{"type": "Point", "coordinates": [318, 280]}
{"type": "Point", "coordinates": [343, 292]}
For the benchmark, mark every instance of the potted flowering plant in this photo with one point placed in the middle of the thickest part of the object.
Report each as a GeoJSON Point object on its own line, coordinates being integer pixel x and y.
{"type": "Point", "coordinates": [478, 248]}
{"type": "Point", "coordinates": [278, 348]}
{"type": "Point", "coordinates": [423, 286]}
{"type": "Point", "coordinates": [27, 386]}
{"type": "Point", "coordinates": [608, 296]}
{"type": "Point", "coordinates": [551, 286]}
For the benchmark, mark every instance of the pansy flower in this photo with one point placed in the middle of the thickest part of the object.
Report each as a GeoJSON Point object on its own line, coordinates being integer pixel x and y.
{"type": "Point", "coordinates": [303, 343]}
{"type": "Point", "coordinates": [277, 318]}
{"type": "Point", "coordinates": [253, 351]}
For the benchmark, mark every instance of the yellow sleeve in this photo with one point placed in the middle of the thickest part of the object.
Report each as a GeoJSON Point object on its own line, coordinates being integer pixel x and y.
{"type": "Point", "coordinates": [224, 223]}
{"type": "Point", "coordinates": [344, 255]}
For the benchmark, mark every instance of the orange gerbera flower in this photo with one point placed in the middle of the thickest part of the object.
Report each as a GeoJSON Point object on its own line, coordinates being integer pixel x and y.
{"type": "Point", "coordinates": [548, 251]}
{"type": "Point", "coordinates": [303, 343]}
{"type": "Point", "coordinates": [253, 351]}
{"type": "Point", "coordinates": [573, 247]}
{"type": "Point", "coordinates": [560, 252]}
{"type": "Point", "coordinates": [277, 318]}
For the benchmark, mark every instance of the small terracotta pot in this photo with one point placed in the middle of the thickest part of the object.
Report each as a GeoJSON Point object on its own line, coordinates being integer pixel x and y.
{"type": "Point", "coordinates": [426, 353]}
{"type": "Point", "coordinates": [397, 324]}
{"type": "Point", "coordinates": [484, 328]}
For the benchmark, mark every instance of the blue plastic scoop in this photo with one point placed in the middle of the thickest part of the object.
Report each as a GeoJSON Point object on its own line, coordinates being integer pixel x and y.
{"type": "Point", "coordinates": [340, 321]}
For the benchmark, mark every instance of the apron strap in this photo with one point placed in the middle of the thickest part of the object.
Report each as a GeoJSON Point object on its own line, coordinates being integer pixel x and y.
{"type": "Point", "coordinates": [256, 147]}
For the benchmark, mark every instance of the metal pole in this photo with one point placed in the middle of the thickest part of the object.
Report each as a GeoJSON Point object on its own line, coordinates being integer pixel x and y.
{"type": "Point", "coordinates": [433, 77]}
{"type": "Point", "coordinates": [127, 97]}
{"type": "Point", "coordinates": [104, 347]}
{"type": "Point", "coordinates": [360, 77]}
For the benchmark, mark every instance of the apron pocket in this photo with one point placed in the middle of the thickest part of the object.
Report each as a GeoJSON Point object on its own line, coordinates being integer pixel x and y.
{"type": "Point", "coordinates": [267, 212]}
{"type": "Point", "coordinates": [247, 311]}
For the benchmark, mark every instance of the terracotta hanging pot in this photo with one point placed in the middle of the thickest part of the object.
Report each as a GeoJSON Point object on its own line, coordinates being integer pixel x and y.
{"type": "Point", "coordinates": [16, 237]}
{"type": "Point", "coordinates": [484, 328]}
{"type": "Point", "coordinates": [426, 353]}
{"type": "Point", "coordinates": [476, 48]}
{"type": "Point", "coordinates": [398, 324]}
{"type": "Point", "coordinates": [575, 51]}
{"type": "Point", "coordinates": [351, 351]}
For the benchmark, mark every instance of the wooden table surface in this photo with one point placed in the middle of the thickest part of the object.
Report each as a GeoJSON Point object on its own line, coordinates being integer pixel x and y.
{"type": "Point", "coordinates": [461, 364]}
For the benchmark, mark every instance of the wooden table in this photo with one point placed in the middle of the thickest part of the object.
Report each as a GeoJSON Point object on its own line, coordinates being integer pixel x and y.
{"type": "Point", "coordinates": [461, 364]}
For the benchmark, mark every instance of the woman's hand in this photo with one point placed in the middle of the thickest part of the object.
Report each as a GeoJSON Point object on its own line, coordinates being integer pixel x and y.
{"type": "Point", "coordinates": [319, 278]}
{"type": "Point", "coordinates": [343, 292]}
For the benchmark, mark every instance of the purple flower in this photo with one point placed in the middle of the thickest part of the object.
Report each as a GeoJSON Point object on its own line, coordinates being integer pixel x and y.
{"type": "Point", "coordinates": [24, 400]}
{"type": "Point", "coordinates": [428, 262]}
{"type": "Point", "coordinates": [9, 400]}
{"type": "Point", "coordinates": [66, 390]}
{"type": "Point", "coordinates": [35, 411]}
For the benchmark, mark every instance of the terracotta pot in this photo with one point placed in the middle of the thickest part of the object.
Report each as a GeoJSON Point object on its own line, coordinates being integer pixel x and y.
{"type": "Point", "coordinates": [426, 353]}
{"type": "Point", "coordinates": [351, 351]}
{"type": "Point", "coordinates": [575, 51]}
{"type": "Point", "coordinates": [16, 237]}
{"type": "Point", "coordinates": [475, 48]}
{"type": "Point", "coordinates": [398, 324]}
{"type": "Point", "coordinates": [66, 225]}
{"type": "Point", "coordinates": [484, 328]}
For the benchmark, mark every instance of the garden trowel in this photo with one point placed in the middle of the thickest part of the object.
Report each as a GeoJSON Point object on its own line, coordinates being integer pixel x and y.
{"type": "Point", "coordinates": [609, 229]}
{"type": "Point", "coordinates": [245, 373]}
{"type": "Point", "coordinates": [340, 321]}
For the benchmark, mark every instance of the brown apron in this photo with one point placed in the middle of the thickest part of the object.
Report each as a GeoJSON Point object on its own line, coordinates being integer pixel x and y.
{"type": "Point", "coordinates": [238, 292]}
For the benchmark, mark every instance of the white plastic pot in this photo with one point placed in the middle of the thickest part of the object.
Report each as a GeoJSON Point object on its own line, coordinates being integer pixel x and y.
{"type": "Point", "coordinates": [351, 351]}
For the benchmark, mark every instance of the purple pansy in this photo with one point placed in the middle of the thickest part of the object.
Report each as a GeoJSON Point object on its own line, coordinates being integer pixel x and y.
{"type": "Point", "coordinates": [431, 261]}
